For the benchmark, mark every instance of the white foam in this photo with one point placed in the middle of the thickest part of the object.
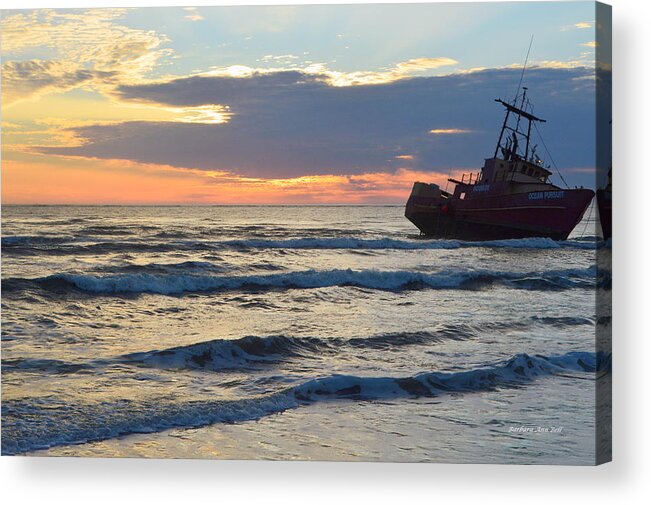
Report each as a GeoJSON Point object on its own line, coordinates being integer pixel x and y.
{"type": "Point", "coordinates": [174, 283]}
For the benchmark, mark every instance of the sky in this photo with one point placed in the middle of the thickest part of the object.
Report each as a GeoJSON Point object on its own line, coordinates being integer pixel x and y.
{"type": "Point", "coordinates": [331, 104]}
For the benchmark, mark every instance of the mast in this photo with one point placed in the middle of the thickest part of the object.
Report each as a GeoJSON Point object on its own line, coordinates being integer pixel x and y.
{"type": "Point", "coordinates": [510, 148]}
{"type": "Point", "coordinates": [499, 140]}
{"type": "Point", "coordinates": [511, 152]}
{"type": "Point", "coordinates": [526, 150]}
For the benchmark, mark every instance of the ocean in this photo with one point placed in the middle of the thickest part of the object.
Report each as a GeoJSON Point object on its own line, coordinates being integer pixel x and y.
{"type": "Point", "coordinates": [293, 332]}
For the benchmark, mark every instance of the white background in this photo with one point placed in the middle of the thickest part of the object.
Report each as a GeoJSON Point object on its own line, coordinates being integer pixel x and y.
{"type": "Point", "coordinates": [626, 480]}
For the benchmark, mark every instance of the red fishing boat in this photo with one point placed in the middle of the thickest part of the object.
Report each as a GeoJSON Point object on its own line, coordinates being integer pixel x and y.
{"type": "Point", "coordinates": [510, 197]}
{"type": "Point", "coordinates": [605, 206]}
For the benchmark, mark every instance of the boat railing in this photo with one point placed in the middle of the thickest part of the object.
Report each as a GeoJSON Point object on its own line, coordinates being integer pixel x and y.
{"type": "Point", "coordinates": [472, 178]}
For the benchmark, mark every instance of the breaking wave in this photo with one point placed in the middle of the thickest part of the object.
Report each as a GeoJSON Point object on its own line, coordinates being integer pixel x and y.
{"type": "Point", "coordinates": [388, 243]}
{"type": "Point", "coordinates": [220, 354]}
{"type": "Point", "coordinates": [176, 283]}
{"type": "Point", "coordinates": [62, 423]}
{"type": "Point", "coordinates": [65, 245]}
{"type": "Point", "coordinates": [234, 354]}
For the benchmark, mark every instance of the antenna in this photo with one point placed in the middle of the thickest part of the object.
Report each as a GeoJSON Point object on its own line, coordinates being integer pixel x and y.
{"type": "Point", "coordinates": [524, 67]}
{"type": "Point", "coordinates": [512, 151]}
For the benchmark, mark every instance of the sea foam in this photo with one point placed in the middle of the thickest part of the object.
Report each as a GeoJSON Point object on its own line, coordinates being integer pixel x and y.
{"type": "Point", "coordinates": [176, 283]}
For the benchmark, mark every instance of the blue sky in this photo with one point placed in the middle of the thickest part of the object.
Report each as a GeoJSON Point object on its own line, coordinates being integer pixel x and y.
{"type": "Point", "coordinates": [353, 37]}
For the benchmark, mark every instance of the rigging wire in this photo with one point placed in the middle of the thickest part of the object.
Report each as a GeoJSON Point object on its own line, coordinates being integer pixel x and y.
{"type": "Point", "coordinates": [448, 181]}
{"type": "Point", "coordinates": [524, 67]}
{"type": "Point", "coordinates": [587, 221]}
{"type": "Point", "coordinates": [550, 156]}
{"type": "Point", "coordinates": [517, 91]}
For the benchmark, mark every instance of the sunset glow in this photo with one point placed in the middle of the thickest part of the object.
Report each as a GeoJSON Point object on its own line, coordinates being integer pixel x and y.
{"type": "Point", "coordinates": [120, 182]}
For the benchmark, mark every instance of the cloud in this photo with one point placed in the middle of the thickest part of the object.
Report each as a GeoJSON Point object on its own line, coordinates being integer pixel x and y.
{"type": "Point", "coordinates": [399, 71]}
{"type": "Point", "coordinates": [421, 64]}
{"type": "Point", "coordinates": [47, 27]}
{"type": "Point", "coordinates": [24, 79]}
{"type": "Point", "coordinates": [282, 58]}
{"type": "Point", "coordinates": [203, 114]}
{"type": "Point", "coordinates": [582, 25]}
{"type": "Point", "coordinates": [82, 47]}
{"type": "Point", "coordinates": [581, 170]}
{"type": "Point", "coordinates": [290, 123]}
{"type": "Point", "coordinates": [592, 43]}
{"type": "Point", "coordinates": [193, 14]}
{"type": "Point", "coordinates": [448, 131]}
{"type": "Point", "coordinates": [7, 125]}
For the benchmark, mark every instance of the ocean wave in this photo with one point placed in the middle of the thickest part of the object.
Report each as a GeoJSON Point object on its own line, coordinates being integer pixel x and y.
{"type": "Point", "coordinates": [55, 245]}
{"type": "Point", "coordinates": [389, 243]}
{"type": "Point", "coordinates": [177, 283]}
{"type": "Point", "coordinates": [26, 240]}
{"type": "Point", "coordinates": [518, 369]}
{"type": "Point", "coordinates": [41, 423]}
{"type": "Point", "coordinates": [564, 321]}
{"type": "Point", "coordinates": [221, 354]}
{"type": "Point", "coordinates": [85, 246]}
{"type": "Point", "coordinates": [52, 366]}
{"type": "Point", "coordinates": [183, 267]}
{"type": "Point", "coordinates": [112, 230]}
{"type": "Point", "coordinates": [235, 354]}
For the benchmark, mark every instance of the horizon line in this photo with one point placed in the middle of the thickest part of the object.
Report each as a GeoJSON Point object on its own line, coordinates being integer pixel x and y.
{"type": "Point", "coordinates": [201, 205]}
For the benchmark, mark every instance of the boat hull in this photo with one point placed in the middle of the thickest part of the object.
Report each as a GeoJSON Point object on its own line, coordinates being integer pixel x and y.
{"type": "Point", "coordinates": [552, 214]}
{"type": "Point", "coordinates": [605, 205]}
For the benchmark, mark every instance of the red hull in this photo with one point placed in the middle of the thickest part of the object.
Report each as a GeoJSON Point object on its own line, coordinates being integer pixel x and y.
{"type": "Point", "coordinates": [552, 214]}
{"type": "Point", "coordinates": [605, 204]}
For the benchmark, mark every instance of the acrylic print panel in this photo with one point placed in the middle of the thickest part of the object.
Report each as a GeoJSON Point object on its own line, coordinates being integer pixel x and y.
{"type": "Point", "coordinates": [308, 232]}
